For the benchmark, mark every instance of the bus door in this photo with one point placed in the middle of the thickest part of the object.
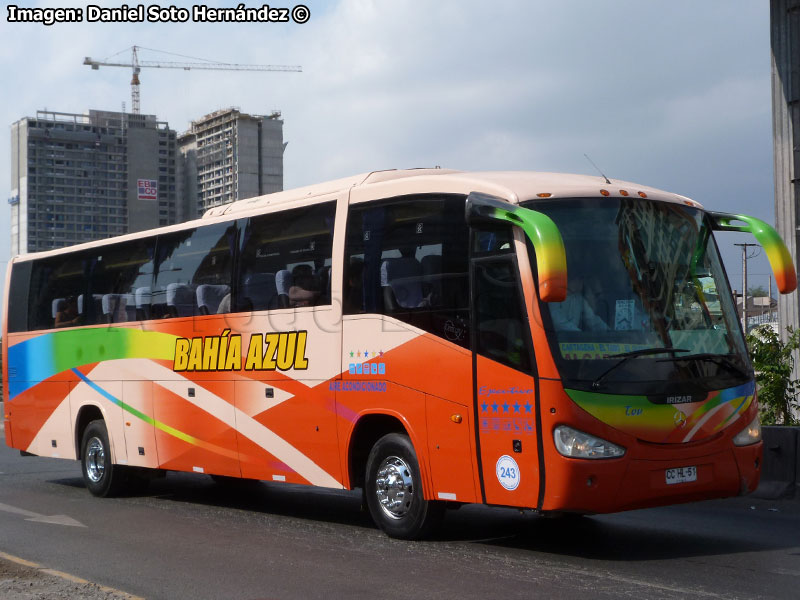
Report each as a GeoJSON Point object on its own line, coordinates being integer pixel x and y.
{"type": "Point", "coordinates": [503, 380]}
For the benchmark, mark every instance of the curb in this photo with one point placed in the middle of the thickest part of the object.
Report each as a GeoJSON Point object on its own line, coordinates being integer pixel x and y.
{"type": "Point", "coordinates": [67, 576]}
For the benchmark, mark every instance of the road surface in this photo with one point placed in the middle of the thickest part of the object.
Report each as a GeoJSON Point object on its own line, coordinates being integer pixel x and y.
{"type": "Point", "coordinates": [189, 538]}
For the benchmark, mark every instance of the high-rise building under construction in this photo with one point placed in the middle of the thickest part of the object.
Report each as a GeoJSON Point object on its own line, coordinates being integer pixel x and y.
{"type": "Point", "coordinates": [83, 177]}
{"type": "Point", "coordinates": [229, 155]}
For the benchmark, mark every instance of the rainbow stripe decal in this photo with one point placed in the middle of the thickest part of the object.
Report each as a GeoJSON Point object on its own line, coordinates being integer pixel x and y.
{"type": "Point", "coordinates": [551, 258]}
{"type": "Point", "coordinates": [778, 255]}
{"type": "Point", "coordinates": [44, 356]}
{"type": "Point", "coordinates": [185, 437]}
{"type": "Point", "coordinates": [668, 423]}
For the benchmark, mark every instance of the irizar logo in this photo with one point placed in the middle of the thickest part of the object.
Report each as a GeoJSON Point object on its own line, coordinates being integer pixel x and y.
{"type": "Point", "coordinates": [676, 399]}
{"type": "Point", "coordinates": [686, 399]}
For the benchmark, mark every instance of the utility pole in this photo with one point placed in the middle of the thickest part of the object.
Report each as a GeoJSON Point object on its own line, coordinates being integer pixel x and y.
{"type": "Point", "coordinates": [744, 284]}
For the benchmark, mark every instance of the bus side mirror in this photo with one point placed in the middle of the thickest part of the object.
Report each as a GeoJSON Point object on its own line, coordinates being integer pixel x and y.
{"type": "Point", "coordinates": [551, 259]}
{"type": "Point", "coordinates": [777, 253]}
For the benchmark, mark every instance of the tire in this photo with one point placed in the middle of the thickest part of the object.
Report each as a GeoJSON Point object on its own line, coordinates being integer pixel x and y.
{"type": "Point", "coordinates": [393, 488]}
{"type": "Point", "coordinates": [102, 477]}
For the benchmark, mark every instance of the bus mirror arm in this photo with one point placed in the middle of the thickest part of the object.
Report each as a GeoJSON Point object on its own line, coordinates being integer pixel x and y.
{"type": "Point", "coordinates": [777, 253]}
{"type": "Point", "coordinates": [551, 258]}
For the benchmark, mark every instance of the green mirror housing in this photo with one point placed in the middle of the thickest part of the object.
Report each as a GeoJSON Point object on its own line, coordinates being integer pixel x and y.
{"type": "Point", "coordinates": [551, 258]}
{"type": "Point", "coordinates": [777, 253]}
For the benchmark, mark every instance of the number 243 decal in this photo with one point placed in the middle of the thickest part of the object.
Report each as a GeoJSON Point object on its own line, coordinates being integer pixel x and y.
{"type": "Point", "coordinates": [507, 471]}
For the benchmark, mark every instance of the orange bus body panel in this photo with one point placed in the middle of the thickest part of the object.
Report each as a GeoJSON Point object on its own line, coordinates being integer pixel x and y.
{"type": "Point", "coordinates": [279, 394]}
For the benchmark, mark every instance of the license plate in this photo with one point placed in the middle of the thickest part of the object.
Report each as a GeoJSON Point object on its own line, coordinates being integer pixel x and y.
{"type": "Point", "coordinates": [681, 475]}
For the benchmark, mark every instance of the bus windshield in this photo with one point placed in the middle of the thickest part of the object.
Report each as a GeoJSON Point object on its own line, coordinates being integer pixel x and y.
{"type": "Point", "coordinates": [648, 307]}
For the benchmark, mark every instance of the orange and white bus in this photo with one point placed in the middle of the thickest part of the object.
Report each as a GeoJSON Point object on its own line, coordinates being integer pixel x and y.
{"type": "Point", "coordinates": [434, 337]}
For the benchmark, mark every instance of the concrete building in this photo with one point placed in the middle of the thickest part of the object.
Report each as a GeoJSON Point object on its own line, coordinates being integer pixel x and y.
{"type": "Point", "coordinates": [229, 155]}
{"type": "Point", "coordinates": [77, 178]}
{"type": "Point", "coordinates": [785, 41]}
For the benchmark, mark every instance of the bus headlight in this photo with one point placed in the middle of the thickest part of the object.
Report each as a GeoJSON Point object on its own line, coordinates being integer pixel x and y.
{"type": "Point", "coordinates": [750, 434]}
{"type": "Point", "coordinates": [577, 444]}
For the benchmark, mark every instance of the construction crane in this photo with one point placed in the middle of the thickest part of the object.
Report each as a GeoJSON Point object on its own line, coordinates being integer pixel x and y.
{"type": "Point", "coordinates": [136, 66]}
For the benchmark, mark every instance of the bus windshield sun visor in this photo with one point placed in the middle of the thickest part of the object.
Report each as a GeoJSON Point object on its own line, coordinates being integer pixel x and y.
{"type": "Point", "coordinates": [777, 253]}
{"type": "Point", "coordinates": [551, 258]}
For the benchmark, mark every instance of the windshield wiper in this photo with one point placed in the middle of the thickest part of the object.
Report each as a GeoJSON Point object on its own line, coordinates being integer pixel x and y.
{"type": "Point", "coordinates": [626, 356]}
{"type": "Point", "coordinates": [722, 360]}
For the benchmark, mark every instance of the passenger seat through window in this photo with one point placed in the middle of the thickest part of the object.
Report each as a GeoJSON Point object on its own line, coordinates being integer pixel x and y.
{"type": "Point", "coordinates": [401, 280]}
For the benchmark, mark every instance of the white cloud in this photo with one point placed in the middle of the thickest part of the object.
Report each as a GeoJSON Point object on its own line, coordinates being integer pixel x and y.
{"type": "Point", "coordinates": [672, 95]}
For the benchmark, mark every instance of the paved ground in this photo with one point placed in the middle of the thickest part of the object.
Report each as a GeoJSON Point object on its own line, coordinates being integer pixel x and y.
{"type": "Point", "coordinates": [188, 538]}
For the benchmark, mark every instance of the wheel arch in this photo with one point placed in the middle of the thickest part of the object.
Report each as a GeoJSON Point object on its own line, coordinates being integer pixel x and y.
{"type": "Point", "coordinates": [86, 414]}
{"type": "Point", "coordinates": [366, 431]}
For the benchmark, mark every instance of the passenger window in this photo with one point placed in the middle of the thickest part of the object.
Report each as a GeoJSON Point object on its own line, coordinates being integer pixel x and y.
{"type": "Point", "coordinates": [193, 272]}
{"type": "Point", "coordinates": [119, 274]}
{"type": "Point", "coordinates": [19, 288]}
{"type": "Point", "coordinates": [408, 258]}
{"type": "Point", "coordinates": [286, 259]}
{"type": "Point", "coordinates": [59, 287]}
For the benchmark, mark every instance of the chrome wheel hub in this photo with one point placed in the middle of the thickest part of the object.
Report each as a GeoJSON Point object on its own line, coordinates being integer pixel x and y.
{"type": "Point", "coordinates": [394, 487]}
{"type": "Point", "coordinates": [95, 460]}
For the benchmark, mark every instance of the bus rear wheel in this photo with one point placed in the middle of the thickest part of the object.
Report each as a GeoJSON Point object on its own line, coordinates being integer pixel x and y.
{"type": "Point", "coordinates": [101, 476]}
{"type": "Point", "coordinates": [393, 487]}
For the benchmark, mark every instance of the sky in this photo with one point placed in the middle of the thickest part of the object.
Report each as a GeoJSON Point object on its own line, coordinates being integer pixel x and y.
{"type": "Point", "coordinates": [674, 95]}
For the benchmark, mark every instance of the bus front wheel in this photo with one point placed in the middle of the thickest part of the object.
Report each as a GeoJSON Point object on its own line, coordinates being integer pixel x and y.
{"type": "Point", "coordinates": [393, 488]}
{"type": "Point", "coordinates": [101, 476]}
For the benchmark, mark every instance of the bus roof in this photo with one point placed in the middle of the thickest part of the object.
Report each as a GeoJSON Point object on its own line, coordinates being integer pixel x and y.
{"type": "Point", "coordinates": [512, 186]}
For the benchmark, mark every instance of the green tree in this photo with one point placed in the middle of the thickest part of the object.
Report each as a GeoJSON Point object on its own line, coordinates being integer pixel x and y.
{"type": "Point", "coordinates": [773, 362]}
{"type": "Point", "coordinates": [757, 291]}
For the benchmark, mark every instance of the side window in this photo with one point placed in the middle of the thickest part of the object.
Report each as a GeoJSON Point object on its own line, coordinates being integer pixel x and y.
{"type": "Point", "coordinates": [121, 276]}
{"type": "Point", "coordinates": [501, 325]}
{"type": "Point", "coordinates": [193, 272]}
{"type": "Point", "coordinates": [408, 258]}
{"type": "Point", "coordinates": [497, 240]}
{"type": "Point", "coordinates": [58, 292]}
{"type": "Point", "coordinates": [19, 288]}
{"type": "Point", "coordinates": [286, 259]}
